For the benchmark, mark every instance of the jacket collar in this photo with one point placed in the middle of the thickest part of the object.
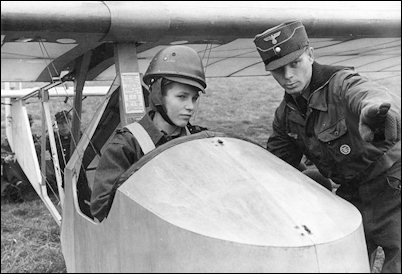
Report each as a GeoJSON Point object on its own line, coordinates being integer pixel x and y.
{"type": "Point", "coordinates": [320, 77]}
{"type": "Point", "coordinates": [156, 135]}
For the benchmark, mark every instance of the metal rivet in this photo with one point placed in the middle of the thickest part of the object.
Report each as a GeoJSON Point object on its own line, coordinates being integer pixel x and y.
{"type": "Point", "coordinates": [278, 49]}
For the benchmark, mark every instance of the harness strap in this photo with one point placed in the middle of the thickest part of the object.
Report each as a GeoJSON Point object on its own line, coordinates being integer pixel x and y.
{"type": "Point", "coordinates": [142, 137]}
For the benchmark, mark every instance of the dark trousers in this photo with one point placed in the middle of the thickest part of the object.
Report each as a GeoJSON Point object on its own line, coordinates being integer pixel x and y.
{"type": "Point", "coordinates": [379, 202]}
{"type": "Point", "coordinates": [12, 173]}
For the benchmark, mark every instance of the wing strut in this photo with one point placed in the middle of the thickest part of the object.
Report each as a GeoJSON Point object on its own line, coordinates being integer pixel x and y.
{"type": "Point", "coordinates": [132, 106]}
{"type": "Point", "coordinates": [82, 69]}
{"type": "Point", "coordinates": [46, 118]}
{"type": "Point", "coordinates": [19, 131]}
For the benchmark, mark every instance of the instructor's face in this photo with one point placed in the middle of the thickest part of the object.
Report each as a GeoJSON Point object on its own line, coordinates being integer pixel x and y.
{"type": "Point", "coordinates": [295, 76]}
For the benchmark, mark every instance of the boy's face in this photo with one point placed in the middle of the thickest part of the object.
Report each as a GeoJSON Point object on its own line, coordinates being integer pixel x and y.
{"type": "Point", "coordinates": [180, 102]}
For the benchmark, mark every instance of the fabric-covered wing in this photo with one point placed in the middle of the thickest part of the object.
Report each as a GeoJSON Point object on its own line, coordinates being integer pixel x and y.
{"type": "Point", "coordinates": [45, 40]}
{"type": "Point", "coordinates": [378, 58]}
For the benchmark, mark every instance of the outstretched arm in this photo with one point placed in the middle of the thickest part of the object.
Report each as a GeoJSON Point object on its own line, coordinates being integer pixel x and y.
{"type": "Point", "coordinates": [377, 109]}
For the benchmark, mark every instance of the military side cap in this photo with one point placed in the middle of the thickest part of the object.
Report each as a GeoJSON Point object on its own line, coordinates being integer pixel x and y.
{"type": "Point", "coordinates": [62, 116]}
{"type": "Point", "coordinates": [282, 44]}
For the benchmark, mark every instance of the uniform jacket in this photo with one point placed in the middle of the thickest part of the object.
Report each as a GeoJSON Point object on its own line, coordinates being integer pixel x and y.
{"type": "Point", "coordinates": [63, 148]}
{"type": "Point", "coordinates": [122, 152]}
{"type": "Point", "coordinates": [328, 132]}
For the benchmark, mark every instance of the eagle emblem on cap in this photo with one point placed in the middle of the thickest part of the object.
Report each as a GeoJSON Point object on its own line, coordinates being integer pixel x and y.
{"type": "Point", "coordinates": [273, 37]}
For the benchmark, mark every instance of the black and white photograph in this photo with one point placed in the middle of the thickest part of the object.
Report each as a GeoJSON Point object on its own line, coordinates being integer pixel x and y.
{"type": "Point", "coordinates": [201, 136]}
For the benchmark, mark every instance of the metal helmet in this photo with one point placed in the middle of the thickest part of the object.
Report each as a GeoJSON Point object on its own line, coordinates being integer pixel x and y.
{"type": "Point", "coordinates": [177, 63]}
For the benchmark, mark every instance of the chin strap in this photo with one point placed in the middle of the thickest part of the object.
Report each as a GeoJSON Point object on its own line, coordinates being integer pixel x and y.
{"type": "Point", "coordinates": [162, 111]}
{"type": "Point", "coordinates": [156, 102]}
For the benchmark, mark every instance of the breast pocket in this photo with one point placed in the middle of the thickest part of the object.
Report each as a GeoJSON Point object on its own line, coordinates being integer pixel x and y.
{"type": "Point", "coordinates": [295, 125]}
{"type": "Point", "coordinates": [336, 140]}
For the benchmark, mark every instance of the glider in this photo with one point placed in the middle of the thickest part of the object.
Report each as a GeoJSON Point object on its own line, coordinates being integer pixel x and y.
{"type": "Point", "coordinates": [238, 208]}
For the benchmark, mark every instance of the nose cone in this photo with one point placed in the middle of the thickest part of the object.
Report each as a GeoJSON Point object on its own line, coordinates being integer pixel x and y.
{"type": "Point", "coordinates": [224, 204]}
{"type": "Point", "coordinates": [237, 191]}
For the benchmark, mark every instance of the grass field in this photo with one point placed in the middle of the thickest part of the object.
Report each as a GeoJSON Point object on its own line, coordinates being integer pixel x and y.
{"type": "Point", "coordinates": [30, 239]}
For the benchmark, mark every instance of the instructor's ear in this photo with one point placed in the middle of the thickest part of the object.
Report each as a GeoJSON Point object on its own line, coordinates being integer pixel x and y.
{"type": "Point", "coordinates": [310, 53]}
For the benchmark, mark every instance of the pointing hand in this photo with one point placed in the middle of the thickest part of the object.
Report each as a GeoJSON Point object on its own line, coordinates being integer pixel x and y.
{"type": "Point", "coordinates": [377, 122]}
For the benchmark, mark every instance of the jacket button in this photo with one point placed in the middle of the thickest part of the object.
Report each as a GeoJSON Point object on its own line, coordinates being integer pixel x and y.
{"type": "Point", "coordinates": [336, 133]}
